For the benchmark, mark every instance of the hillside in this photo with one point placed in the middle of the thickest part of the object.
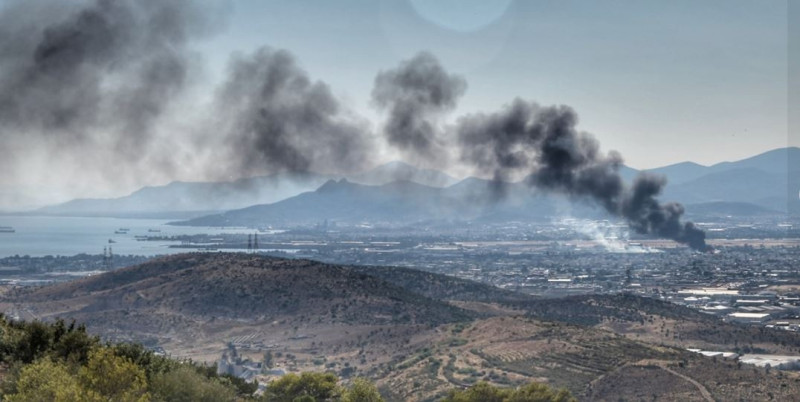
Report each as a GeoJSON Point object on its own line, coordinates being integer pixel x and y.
{"type": "Point", "coordinates": [396, 326]}
{"type": "Point", "coordinates": [730, 208]}
{"type": "Point", "coordinates": [399, 202]}
{"type": "Point", "coordinates": [183, 299]}
{"type": "Point", "coordinates": [659, 322]}
{"type": "Point", "coordinates": [342, 201]}
{"type": "Point", "coordinates": [443, 287]}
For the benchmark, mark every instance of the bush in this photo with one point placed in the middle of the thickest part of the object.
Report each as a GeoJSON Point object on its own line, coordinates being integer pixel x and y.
{"type": "Point", "coordinates": [306, 386]}
{"type": "Point", "coordinates": [362, 390]}
{"type": "Point", "coordinates": [485, 392]}
{"type": "Point", "coordinates": [185, 384]}
{"type": "Point", "coordinates": [46, 380]}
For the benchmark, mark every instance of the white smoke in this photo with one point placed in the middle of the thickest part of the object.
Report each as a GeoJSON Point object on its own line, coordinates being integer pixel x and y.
{"type": "Point", "coordinates": [613, 237]}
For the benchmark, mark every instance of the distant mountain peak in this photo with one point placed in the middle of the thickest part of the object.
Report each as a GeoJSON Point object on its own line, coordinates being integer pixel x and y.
{"type": "Point", "coordinates": [333, 185]}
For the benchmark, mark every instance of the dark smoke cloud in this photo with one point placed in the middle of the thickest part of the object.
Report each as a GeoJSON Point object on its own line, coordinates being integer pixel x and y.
{"type": "Point", "coordinates": [544, 141]}
{"type": "Point", "coordinates": [80, 77]}
{"type": "Point", "coordinates": [76, 73]}
{"type": "Point", "coordinates": [416, 94]}
{"type": "Point", "coordinates": [528, 138]}
{"type": "Point", "coordinates": [277, 118]}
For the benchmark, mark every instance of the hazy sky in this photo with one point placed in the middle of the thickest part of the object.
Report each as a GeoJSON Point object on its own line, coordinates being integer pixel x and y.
{"type": "Point", "coordinates": [659, 81]}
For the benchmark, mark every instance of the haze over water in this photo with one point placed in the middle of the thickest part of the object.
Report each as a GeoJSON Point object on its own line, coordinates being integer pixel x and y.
{"type": "Point", "coordinates": [45, 235]}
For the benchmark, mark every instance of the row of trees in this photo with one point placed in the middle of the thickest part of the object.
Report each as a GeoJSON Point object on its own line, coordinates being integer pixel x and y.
{"type": "Point", "coordinates": [60, 362]}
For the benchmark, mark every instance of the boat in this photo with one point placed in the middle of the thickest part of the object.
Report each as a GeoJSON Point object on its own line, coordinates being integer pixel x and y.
{"type": "Point", "coordinates": [7, 229]}
{"type": "Point", "coordinates": [111, 241]}
{"type": "Point", "coordinates": [154, 230]}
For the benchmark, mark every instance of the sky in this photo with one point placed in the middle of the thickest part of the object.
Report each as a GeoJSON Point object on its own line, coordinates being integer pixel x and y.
{"type": "Point", "coordinates": [661, 82]}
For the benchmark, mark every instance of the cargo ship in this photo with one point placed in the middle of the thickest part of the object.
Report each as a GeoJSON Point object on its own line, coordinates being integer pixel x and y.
{"type": "Point", "coordinates": [7, 229]}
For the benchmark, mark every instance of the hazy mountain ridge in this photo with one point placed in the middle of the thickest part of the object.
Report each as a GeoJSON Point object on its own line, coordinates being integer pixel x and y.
{"type": "Point", "coordinates": [192, 197]}
{"type": "Point", "coordinates": [396, 202]}
{"type": "Point", "coordinates": [760, 180]}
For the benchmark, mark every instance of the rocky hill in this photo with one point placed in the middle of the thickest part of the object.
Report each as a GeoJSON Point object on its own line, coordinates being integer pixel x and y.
{"type": "Point", "coordinates": [183, 297]}
{"type": "Point", "coordinates": [415, 333]}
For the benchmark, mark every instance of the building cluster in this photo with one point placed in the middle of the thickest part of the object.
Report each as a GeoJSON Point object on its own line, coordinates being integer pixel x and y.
{"type": "Point", "coordinates": [754, 308]}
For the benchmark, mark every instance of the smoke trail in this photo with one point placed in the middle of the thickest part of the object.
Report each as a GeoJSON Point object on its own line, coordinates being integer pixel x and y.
{"type": "Point", "coordinates": [274, 116]}
{"type": "Point", "coordinates": [416, 94]}
{"type": "Point", "coordinates": [542, 141]}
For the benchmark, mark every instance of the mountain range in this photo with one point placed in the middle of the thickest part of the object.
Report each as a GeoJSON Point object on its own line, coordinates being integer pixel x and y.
{"type": "Point", "coordinates": [752, 187]}
{"type": "Point", "coordinates": [191, 199]}
{"type": "Point", "coordinates": [397, 191]}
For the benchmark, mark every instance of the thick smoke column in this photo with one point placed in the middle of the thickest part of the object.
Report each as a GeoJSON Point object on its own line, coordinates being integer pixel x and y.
{"type": "Point", "coordinates": [105, 71]}
{"type": "Point", "coordinates": [276, 117]}
{"type": "Point", "coordinates": [416, 94]}
{"type": "Point", "coordinates": [543, 141]}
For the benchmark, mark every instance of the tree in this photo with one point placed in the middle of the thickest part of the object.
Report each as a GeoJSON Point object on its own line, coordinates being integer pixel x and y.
{"type": "Point", "coordinates": [73, 344]}
{"type": "Point", "coordinates": [536, 392]}
{"type": "Point", "coordinates": [362, 391]}
{"type": "Point", "coordinates": [46, 380]}
{"type": "Point", "coordinates": [268, 360]}
{"type": "Point", "coordinates": [480, 392]}
{"type": "Point", "coordinates": [316, 387]}
{"type": "Point", "coordinates": [533, 392]}
{"type": "Point", "coordinates": [186, 384]}
{"type": "Point", "coordinates": [33, 342]}
{"type": "Point", "coordinates": [144, 358]}
{"type": "Point", "coordinates": [113, 377]}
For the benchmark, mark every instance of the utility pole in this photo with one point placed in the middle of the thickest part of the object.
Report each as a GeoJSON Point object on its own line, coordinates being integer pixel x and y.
{"type": "Point", "coordinates": [108, 258]}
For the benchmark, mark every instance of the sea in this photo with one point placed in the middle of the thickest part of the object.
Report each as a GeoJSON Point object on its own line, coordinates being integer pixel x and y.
{"type": "Point", "coordinates": [39, 236]}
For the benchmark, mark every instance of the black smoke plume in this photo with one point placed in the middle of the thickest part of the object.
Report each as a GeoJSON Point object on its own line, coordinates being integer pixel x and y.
{"type": "Point", "coordinates": [277, 118]}
{"type": "Point", "coordinates": [104, 70]}
{"type": "Point", "coordinates": [416, 94]}
{"type": "Point", "coordinates": [525, 137]}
